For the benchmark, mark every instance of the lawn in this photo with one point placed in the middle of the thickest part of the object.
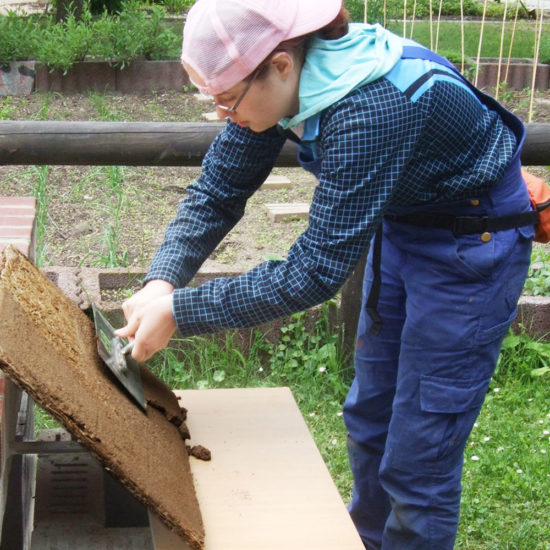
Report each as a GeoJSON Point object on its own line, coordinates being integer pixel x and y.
{"type": "Point", "coordinates": [449, 38]}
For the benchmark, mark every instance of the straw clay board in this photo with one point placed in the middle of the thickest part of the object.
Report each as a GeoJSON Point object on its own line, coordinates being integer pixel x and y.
{"type": "Point", "coordinates": [48, 348]}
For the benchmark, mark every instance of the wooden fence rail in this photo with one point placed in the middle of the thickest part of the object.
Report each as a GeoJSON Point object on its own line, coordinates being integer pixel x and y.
{"type": "Point", "coordinates": [155, 143]}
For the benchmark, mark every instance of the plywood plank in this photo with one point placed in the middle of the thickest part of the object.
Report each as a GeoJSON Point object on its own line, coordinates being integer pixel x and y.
{"type": "Point", "coordinates": [48, 348]}
{"type": "Point", "coordinates": [267, 487]}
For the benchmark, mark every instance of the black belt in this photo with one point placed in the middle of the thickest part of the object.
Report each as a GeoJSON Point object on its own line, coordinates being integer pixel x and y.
{"type": "Point", "coordinates": [466, 225]}
{"type": "Point", "coordinates": [459, 225]}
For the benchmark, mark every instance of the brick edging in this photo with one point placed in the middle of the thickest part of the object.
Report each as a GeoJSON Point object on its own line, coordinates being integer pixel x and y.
{"type": "Point", "coordinates": [144, 76]}
{"type": "Point", "coordinates": [17, 225]}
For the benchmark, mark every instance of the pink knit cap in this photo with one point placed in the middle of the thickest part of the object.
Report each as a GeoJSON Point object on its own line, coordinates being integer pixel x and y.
{"type": "Point", "coordinates": [225, 40]}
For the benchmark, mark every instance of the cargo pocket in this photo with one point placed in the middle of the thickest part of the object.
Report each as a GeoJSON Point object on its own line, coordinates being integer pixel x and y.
{"type": "Point", "coordinates": [454, 406]}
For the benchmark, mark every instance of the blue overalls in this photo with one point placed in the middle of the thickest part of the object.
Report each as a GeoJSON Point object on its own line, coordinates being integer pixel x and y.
{"type": "Point", "coordinates": [446, 301]}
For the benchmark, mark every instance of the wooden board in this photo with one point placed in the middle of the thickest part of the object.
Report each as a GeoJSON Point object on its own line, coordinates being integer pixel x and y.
{"type": "Point", "coordinates": [267, 487]}
{"type": "Point", "coordinates": [275, 182]}
{"type": "Point", "coordinates": [277, 212]}
{"type": "Point", "coordinates": [48, 348]}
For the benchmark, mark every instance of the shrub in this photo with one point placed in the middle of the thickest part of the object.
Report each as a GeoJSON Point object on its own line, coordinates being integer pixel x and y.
{"type": "Point", "coordinates": [61, 45]}
{"type": "Point", "coordinates": [18, 38]}
{"type": "Point", "coordinates": [120, 39]}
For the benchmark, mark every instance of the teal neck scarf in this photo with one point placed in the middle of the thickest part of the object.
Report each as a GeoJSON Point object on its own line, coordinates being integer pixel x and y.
{"type": "Point", "coordinates": [333, 68]}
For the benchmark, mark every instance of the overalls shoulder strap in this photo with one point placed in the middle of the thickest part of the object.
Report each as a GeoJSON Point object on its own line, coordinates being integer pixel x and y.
{"type": "Point", "coordinates": [512, 121]}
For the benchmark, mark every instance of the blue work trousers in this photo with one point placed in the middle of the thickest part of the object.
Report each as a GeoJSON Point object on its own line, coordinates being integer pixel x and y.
{"type": "Point", "coordinates": [446, 303]}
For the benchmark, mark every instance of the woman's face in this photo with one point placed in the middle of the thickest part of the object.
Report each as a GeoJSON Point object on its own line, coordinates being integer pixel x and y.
{"type": "Point", "coordinates": [266, 101]}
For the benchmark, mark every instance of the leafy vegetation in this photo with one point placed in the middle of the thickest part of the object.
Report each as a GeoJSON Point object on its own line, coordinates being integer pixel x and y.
{"type": "Point", "coordinates": [506, 471]}
{"type": "Point", "coordinates": [131, 34]}
{"type": "Point", "coordinates": [538, 278]}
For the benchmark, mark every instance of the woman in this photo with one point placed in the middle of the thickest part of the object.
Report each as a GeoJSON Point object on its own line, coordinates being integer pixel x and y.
{"type": "Point", "coordinates": [401, 143]}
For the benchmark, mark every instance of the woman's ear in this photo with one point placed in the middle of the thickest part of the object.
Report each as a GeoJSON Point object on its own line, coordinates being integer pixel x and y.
{"type": "Point", "coordinates": [283, 64]}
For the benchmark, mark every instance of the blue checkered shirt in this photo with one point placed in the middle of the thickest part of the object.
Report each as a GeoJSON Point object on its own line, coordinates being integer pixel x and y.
{"type": "Point", "coordinates": [378, 148]}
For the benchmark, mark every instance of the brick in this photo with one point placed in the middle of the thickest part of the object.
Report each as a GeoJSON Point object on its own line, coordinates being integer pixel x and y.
{"type": "Point", "coordinates": [22, 232]}
{"type": "Point", "coordinates": [16, 211]}
{"type": "Point", "coordinates": [20, 202]}
{"type": "Point", "coordinates": [22, 246]}
{"type": "Point", "coordinates": [16, 221]}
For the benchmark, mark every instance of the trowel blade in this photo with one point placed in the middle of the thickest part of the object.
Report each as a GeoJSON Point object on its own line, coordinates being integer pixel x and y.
{"type": "Point", "coordinates": [122, 366]}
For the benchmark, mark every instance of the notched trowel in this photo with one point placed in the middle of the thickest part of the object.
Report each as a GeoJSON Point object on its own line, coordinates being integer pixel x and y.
{"type": "Point", "coordinates": [116, 356]}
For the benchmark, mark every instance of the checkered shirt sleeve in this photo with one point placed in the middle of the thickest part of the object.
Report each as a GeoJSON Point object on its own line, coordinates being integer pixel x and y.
{"type": "Point", "coordinates": [236, 164]}
{"type": "Point", "coordinates": [375, 151]}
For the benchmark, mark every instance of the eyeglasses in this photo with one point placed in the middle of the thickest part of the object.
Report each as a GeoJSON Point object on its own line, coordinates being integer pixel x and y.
{"type": "Point", "coordinates": [232, 110]}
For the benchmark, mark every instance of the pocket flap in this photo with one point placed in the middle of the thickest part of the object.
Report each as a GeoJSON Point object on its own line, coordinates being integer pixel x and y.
{"type": "Point", "coordinates": [448, 395]}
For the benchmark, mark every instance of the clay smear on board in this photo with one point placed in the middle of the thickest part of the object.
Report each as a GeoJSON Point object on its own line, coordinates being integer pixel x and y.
{"type": "Point", "coordinates": [48, 348]}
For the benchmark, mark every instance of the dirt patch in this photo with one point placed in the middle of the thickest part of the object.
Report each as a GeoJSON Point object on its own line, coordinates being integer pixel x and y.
{"type": "Point", "coordinates": [116, 216]}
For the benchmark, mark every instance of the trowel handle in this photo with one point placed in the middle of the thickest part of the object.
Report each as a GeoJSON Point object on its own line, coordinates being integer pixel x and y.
{"type": "Point", "coordinates": [128, 348]}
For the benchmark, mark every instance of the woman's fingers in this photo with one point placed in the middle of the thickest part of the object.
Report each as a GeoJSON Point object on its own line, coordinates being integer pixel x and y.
{"type": "Point", "coordinates": [135, 306]}
{"type": "Point", "coordinates": [155, 329]}
{"type": "Point", "coordinates": [151, 328]}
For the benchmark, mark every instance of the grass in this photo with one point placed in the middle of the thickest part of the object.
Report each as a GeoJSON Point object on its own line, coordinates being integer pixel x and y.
{"type": "Point", "coordinates": [450, 38]}
{"type": "Point", "coordinates": [507, 469]}
{"type": "Point", "coordinates": [305, 357]}
{"type": "Point", "coordinates": [42, 195]}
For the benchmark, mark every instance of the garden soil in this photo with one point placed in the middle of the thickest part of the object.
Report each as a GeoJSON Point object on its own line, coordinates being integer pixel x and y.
{"type": "Point", "coordinates": [116, 216]}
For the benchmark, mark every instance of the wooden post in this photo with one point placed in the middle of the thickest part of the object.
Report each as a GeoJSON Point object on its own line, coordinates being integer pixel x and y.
{"type": "Point", "coordinates": [350, 306]}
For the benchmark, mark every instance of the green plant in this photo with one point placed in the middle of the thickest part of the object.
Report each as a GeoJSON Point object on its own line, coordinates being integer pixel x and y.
{"type": "Point", "coordinates": [538, 276]}
{"type": "Point", "coordinates": [106, 6]}
{"type": "Point", "coordinates": [506, 465]}
{"type": "Point", "coordinates": [116, 202]}
{"type": "Point", "coordinates": [132, 34]}
{"type": "Point", "coordinates": [121, 38]}
{"type": "Point", "coordinates": [421, 9]}
{"type": "Point", "coordinates": [105, 112]}
{"type": "Point", "coordinates": [18, 37]}
{"type": "Point", "coordinates": [177, 6]}
{"type": "Point", "coordinates": [450, 39]}
{"type": "Point", "coordinates": [44, 112]}
{"type": "Point", "coordinates": [63, 44]}
{"type": "Point", "coordinates": [7, 109]}
{"type": "Point", "coordinates": [42, 195]}
{"type": "Point", "coordinates": [159, 41]}
{"type": "Point", "coordinates": [522, 359]}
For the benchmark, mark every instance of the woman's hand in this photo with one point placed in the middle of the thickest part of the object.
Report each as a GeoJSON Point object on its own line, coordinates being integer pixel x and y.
{"type": "Point", "coordinates": [149, 319]}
